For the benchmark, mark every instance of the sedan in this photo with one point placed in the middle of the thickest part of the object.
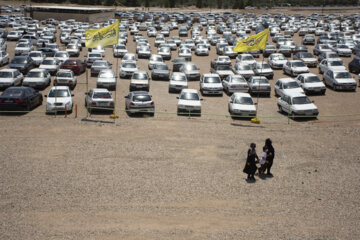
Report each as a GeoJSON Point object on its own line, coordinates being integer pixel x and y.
{"type": "Point", "coordinates": [65, 77]}
{"type": "Point", "coordinates": [191, 71]}
{"type": "Point", "coordinates": [201, 50]}
{"type": "Point", "coordinates": [189, 103]}
{"type": "Point", "coordinates": [210, 84]}
{"type": "Point", "coordinates": [311, 83]}
{"type": "Point", "coordinates": [295, 67]}
{"type": "Point", "coordinates": [259, 85]}
{"type": "Point", "coordinates": [10, 77]}
{"type": "Point", "coordinates": [139, 102]}
{"type": "Point", "coordinates": [144, 52]}
{"type": "Point", "coordinates": [99, 99]}
{"type": "Point", "coordinates": [263, 69]}
{"type": "Point", "coordinates": [4, 58]}
{"type": "Point", "coordinates": [297, 105]}
{"type": "Point", "coordinates": [339, 80]}
{"type": "Point", "coordinates": [241, 104]}
{"type": "Point", "coordinates": [185, 53]}
{"type": "Point", "coordinates": [20, 98]}
{"type": "Point", "coordinates": [52, 65]}
{"type": "Point", "coordinates": [165, 53]}
{"type": "Point", "coordinates": [235, 83]}
{"type": "Point", "coordinates": [37, 78]}
{"type": "Point", "coordinates": [119, 50]}
{"type": "Point", "coordinates": [73, 50]}
{"type": "Point", "coordinates": [160, 71]}
{"type": "Point", "coordinates": [307, 58]}
{"type": "Point", "coordinates": [244, 70]}
{"type": "Point", "coordinates": [106, 79]}
{"type": "Point", "coordinates": [342, 50]}
{"type": "Point", "coordinates": [59, 99]}
{"type": "Point", "coordinates": [127, 69]}
{"type": "Point", "coordinates": [154, 59]}
{"type": "Point", "coordinates": [76, 65]}
{"type": "Point", "coordinates": [277, 60]}
{"type": "Point", "coordinates": [287, 86]}
{"type": "Point", "coordinates": [22, 48]}
{"type": "Point", "coordinates": [99, 65]}
{"type": "Point", "coordinates": [177, 82]}
{"type": "Point", "coordinates": [139, 80]}
{"type": "Point", "coordinates": [327, 64]}
{"type": "Point", "coordinates": [23, 63]}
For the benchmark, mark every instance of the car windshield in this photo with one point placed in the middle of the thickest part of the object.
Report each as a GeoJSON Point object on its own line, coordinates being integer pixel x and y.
{"type": "Point", "coordinates": [306, 55]}
{"type": "Point", "coordinates": [260, 80]}
{"type": "Point", "coordinates": [48, 62]}
{"type": "Point", "coordinates": [223, 67]}
{"type": "Point", "coordinates": [161, 67]}
{"type": "Point", "coordinates": [244, 100]}
{"type": "Point", "coordinates": [22, 45]}
{"type": "Point", "coordinates": [343, 75]}
{"type": "Point", "coordinates": [19, 61]}
{"type": "Point", "coordinates": [298, 64]}
{"type": "Point", "coordinates": [101, 95]}
{"type": "Point", "coordinates": [244, 67]}
{"type": "Point", "coordinates": [335, 63]}
{"type": "Point", "coordinates": [263, 66]}
{"type": "Point", "coordinates": [13, 92]}
{"type": "Point", "coordinates": [238, 79]}
{"type": "Point", "coordinates": [212, 80]}
{"type": "Point", "coordinates": [129, 65]}
{"type": "Point", "coordinates": [60, 54]}
{"type": "Point", "coordinates": [190, 67]}
{"type": "Point", "coordinates": [290, 85]}
{"type": "Point", "coordinates": [70, 63]}
{"type": "Point", "coordinates": [247, 58]}
{"type": "Point", "coordinates": [141, 98]}
{"type": "Point", "coordinates": [95, 55]}
{"type": "Point", "coordinates": [59, 93]}
{"type": "Point", "coordinates": [312, 79]}
{"type": "Point", "coordinates": [190, 96]}
{"type": "Point", "coordinates": [64, 74]}
{"type": "Point", "coordinates": [141, 76]}
{"type": "Point", "coordinates": [301, 100]}
{"type": "Point", "coordinates": [120, 47]}
{"type": "Point", "coordinates": [5, 74]}
{"type": "Point", "coordinates": [35, 74]}
{"type": "Point", "coordinates": [324, 47]}
{"type": "Point", "coordinates": [35, 54]}
{"type": "Point", "coordinates": [107, 74]}
{"type": "Point", "coordinates": [100, 64]}
{"type": "Point", "coordinates": [333, 55]}
{"type": "Point", "coordinates": [178, 78]}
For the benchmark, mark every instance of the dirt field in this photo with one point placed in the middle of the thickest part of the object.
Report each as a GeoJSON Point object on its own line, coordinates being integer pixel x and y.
{"type": "Point", "coordinates": [171, 177]}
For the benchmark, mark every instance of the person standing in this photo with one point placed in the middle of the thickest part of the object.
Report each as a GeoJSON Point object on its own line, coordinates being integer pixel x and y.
{"type": "Point", "coordinates": [269, 156]}
{"type": "Point", "coordinates": [250, 166]}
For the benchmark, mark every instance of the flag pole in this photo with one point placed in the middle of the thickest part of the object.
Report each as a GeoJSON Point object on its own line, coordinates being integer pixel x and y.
{"type": "Point", "coordinates": [255, 119]}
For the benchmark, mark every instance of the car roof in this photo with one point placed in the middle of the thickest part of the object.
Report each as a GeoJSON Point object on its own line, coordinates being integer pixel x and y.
{"type": "Point", "coordinates": [140, 93]}
{"type": "Point", "coordinates": [241, 94]}
{"type": "Point", "coordinates": [286, 80]}
{"type": "Point", "coordinates": [38, 70]}
{"type": "Point", "coordinates": [187, 90]}
{"type": "Point", "coordinates": [100, 90]}
{"type": "Point", "coordinates": [295, 94]}
{"type": "Point", "coordinates": [8, 70]}
{"type": "Point", "coordinates": [210, 75]}
{"type": "Point", "coordinates": [60, 87]}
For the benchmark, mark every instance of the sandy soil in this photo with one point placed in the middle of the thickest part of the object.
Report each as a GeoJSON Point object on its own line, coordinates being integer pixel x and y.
{"type": "Point", "coordinates": [171, 177]}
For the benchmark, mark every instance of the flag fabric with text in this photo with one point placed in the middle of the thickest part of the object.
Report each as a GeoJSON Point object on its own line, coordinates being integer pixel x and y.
{"type": "Point", "coordinates": [252, 43]}
{"type": "Point", "coordinates": [102, 37]}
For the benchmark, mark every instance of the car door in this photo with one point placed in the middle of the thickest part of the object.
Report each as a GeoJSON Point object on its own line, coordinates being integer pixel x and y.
{"type": "Point", "coordinates": [322, 65]}
{"type": "Point", "coordinates": [287, 103]}
{"type": "Point", "coordinates": [17, 77]}
{"type": "Point", "coordinates": [226, 83]}
{"type": "Point", "coordinates": [277, 86]}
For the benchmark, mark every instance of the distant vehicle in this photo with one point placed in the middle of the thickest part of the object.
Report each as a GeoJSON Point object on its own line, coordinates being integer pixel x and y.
{"type": "Point", "coordinates": [189, 103]}
{"type": "Point", "coordinates": [210, 84]}
{"type": "Point", "coordinates": [10, 77]}
{"type": "Point", "coordinates": [139, 102]}
{"type": "Point", "coordinates": [311, 83]}
{"type": "Point", "coordinates": [106, 79]}
{"type": "Point", "coordinates": [99, 99]}
{"type": "Point", "coordinates": [242, 105]}
{"type": "Point", "coordinates": [177, 82]}
{"type": "Point", "coordinates": [287, 86]}
{"type": "Point", "coordinates": [339, 80]}
{"type": "Point", "coordinates": [76, 65]}
{"type": "Point", "coordinates": [59, 99]}
{"type": "Point", "coordinates": [295, 67]}
{"type": "Point", "coordinates": [259, 85]}
{"type": "Point", "coordinates": [37, 78]}
{"type": "Point", "coordinates": [20, 98]}
{"type": "Point", "coordinates": [297, 105]}
{"type": "Point", "coordinates": [65, 77]}
{"type": "Point", "coordinates": [235, 83]}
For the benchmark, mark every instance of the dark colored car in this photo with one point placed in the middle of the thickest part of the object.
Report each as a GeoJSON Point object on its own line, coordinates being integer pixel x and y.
{"type": "Point", "coordinates": [3, 33]}
{"type": "Point", "coordinates": [177, 63]}
{"type": "Point", "coordinates": [76, 65]}
{"type": "Point", "coordinates": [23, 63]}
{"type": "Point", "coordinates": [20, 98]}
{"type": "Point", "coordinates": [300, 48]}
{"type": "Point", "coordinates": [49, 52]}
{"type": "Point", "coordinates": [354, 65]}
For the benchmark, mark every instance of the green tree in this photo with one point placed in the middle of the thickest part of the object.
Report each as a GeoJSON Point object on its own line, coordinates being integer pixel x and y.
{"type": "Point", "coordinates": [199, 3]}
{"type": "Point", "coordinates": [241, 4]}
{"type": "Point", "coordinates": [109, 2]}
{"type": "Point", "coordinates": [147, 3]}
{"type": "Point", "coordinates": [236, 4]}
{"type": "Point", "coordinates": [219, 3]}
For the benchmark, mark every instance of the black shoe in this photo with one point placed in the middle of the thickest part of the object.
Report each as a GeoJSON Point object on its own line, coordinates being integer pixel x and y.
{"type": "Point", "coordinates": [269, 174]}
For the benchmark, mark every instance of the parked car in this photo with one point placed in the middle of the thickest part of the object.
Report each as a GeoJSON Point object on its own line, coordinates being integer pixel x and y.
{"type": "Point", "coordinates": [235, 83]}
{"type": "Point", "coordinates": [295, 67]}
{"type": "Point", "coordinates": [99, 99]}
{"type": "Point", "coordinates": [127, 69]}
{"type": "Point", "coordinates": [354, 65]}
{"type": "Point", "coordinates": [165, 52]}
{"type": "Point", "coordinates": [263, 69]}
{"type": "Point", "coordinates": [277, 60]}
{"type": "Point", "coordinates": [201, 50]}
{"type": "Point", "coordinates": [177, 82]}
{"type": "Point", "coordinates": [177, 63]}
{"type": "Point", "coordinates": [99, 65]}
{"type": "Point", "coordinates": [139, 81]}
{"type": "Point", "coordinates": [270, 49]}
{"type": "Point", "coordinates": [327, 64]}
{"type": "Point", "coordinates": [285, 50]}
{"type": "Point", "coordinates": [185, 53]}
{"type": "Point", "coordinates": [52, 65]}
{"type": "Point", "coordinates": [222, 70]}
{"type": "Point", "coordinates": [10, 77]}
{"type": "Point", "coordinates": [76, 65]}
{"type": "Point", "coordinates": [144, 52]}
{"type": "Point", "coordinates": [189, 102]}
{"type": "Point", "coordinates": [308, 40]}
{"type": "Point", "coordinates": [297, 105]}
{"type": "Point", "coordinates": [259, 85]}
{"type": "Point", "coordinates": [307, 58]}
{"type": "Point", "coordinates": [311, 83]}
{"type": "Point", "coordinates": [246, 58]}
{"type": "Point", "coordinates": [244, 70]}
{"type": "Point", "coordinates": [119, 50]}
{"type": "Point", "coordinates": [154, 59]}
{"type": "Point", "coordinates": [160, 71]}
{"type": "Point", "coordinates": [37, 78]}
{"type": "Point", "coordinates": [339, 80]}
{"type": "Point", "coordinates": [19, 98]}
{"type": "Point", "coordinates": [320, 48]}
{"type": "Point", "coordinates": [287, 86]}
{"type": "Point", "coordinates": [106, 79]}
{"type": "Point", "coordinates": [241, 105]}
{"type": "Point", "coordinates": [62, 56]}
{"type": "Point", "coordinates": [59, 99]}
{"type": "Point", "coordinates": [4, 58]}
{"type": "Point", "coordinates": [65, 77]}
{"type": "Point", "coordinates": [22, 48]}
{"type": "Point", "coordinates": [210, 84]}
{"type": "Point", "coordinates": [342, 50]}
{"type": "Point", "coordinates": [191, 71]}
{"type": "Point", "coordinates": [139, 102]}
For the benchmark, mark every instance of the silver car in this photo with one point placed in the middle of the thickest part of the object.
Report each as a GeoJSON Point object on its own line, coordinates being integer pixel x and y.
{"type": "Point", "coordinates": [339, 80]}
{"type": "Point", "coordinates": [139, 80]}
{"type": "Point", "coordinates": [99, 65]}
{"type": "Point", "coordinates": [99, 99]}
{"type": "Point", "coordinates": [160, 71]}
{"type": "Point", "coordinates": [37, 78]}
{"type": "Point", "coordinates": [191, 71]}
{"type": "Point", "coordinates": [259, 85]}
{"type": "Point", "coordinates": [178, 81]}
{"type": "Point", "coordinates": [106, 79]}
{"type": "Point", "coordinates": [65, 77]}
{"type": "Point", "coordinates": [139, 102]}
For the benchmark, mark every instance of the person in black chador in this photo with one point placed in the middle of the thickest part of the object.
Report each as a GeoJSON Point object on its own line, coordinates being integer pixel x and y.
{"type": "Point", "coordinates": [250, 166]}
{"type": "Point", "coordinates": [270, 155]}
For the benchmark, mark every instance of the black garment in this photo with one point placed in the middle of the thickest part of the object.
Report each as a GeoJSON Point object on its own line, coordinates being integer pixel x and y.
{"type": "Point", "coordinates": [250, 166]}
{"type": "Point", "coordinates": [270, 157]}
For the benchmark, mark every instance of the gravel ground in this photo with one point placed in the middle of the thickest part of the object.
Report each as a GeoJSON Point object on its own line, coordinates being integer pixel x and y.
{"type": "Point", "coordinates": [171, 177]}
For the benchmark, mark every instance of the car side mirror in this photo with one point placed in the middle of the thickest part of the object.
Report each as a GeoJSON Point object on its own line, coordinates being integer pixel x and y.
{"type": "Point", "coordinates": [72, 95]}
{"type": "Point", "coordinates": [177, 97]}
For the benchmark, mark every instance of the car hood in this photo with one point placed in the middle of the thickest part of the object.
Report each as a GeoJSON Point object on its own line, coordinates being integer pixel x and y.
{"type": "Point", "coordinates": [309, 106]}
{"type": "Point", "coordinates": [303, 69]}
{"type": "Point", "coordinates": [244, 107]}
{"type": "Point", "coordinates": [180, 83]}
{"type": "Point", "coordinates": [338, 68]}
{"type": "Point", "coordinates": [315, 84]}
{"type": "Point", "coordinates": [58, 100]}
{"type": "Point", "coordinates": [309, 59]}
{"type": "Point", "coordinates": [345, 80]}
{"type": "Point", "coordinates": [48, 66]}
{"type": "Point", "coordinates": [139, 81]}
{"type": "Point", "coordinates": [189, 103]}
{"type": "Point", "coordinates": [129, 69]}
{"type": "Point", "coordinates": [212, 85]}
{"type": "Point", "coordinates": [36, 79]}
{"type": "Point", "coordinates": [225, 72]}
{"type": "Point", "coordinates": [293, 90]}
{"type": "Point", "coordinates": [106, 79]}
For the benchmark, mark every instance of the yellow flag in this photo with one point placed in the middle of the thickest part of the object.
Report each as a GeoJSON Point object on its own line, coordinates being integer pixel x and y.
{"type": "Point", "coordinates": [102, 37]}
{"type": "Point", "coordinates": [252, 43]}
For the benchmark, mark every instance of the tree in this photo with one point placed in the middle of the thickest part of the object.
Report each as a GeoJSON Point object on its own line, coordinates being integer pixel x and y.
{"type": "Point", "coordinates": [241, 4]}
{"type": "Point", "coordinates": [199, 3]}
{"type": "Point", "coordinates": [219, 3]}
{"type": "Point", "coordinates": [147, 3]}
{"type": "Point", "coordinates": [236, 4]}
{"type": "Point", "coordinates": [109, 2]}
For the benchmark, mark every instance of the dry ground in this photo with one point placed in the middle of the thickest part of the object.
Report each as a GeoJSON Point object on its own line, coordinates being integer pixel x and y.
{"type": "Point", "coordinates": [171, 177]}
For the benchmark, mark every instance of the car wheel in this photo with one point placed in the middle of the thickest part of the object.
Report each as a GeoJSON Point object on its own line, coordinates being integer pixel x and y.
{"type": "Point", "coordinates": [280, 109]}
{"type": "Point", "coordinates": [293, 116]}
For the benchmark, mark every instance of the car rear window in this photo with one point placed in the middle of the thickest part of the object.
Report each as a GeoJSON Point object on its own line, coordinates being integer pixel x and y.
{"type": "Point", "coordinates": [102, 95]}
{"type": "Point", "coordinates": [141, 98]}
{"type": "Point", "coordinates": [12, 93]}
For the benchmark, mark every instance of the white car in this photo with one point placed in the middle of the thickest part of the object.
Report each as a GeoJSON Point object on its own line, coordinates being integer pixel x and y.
{"type": "Point", "coordinates": [243, 69]}
{"type": "Point", "coordinates": [189, 102]}
{"type": "Point", "coordinates": [235, 83]}
{"type": "Point", "coordinates": [342, 50]}
{"type": "Point", "coordinates": [154, 59]}
{"type": "Point", "coordinates": [13, 36]}
{"type": "Point", "coordinates": [4, 58]}
{"type": "Point", "coordinates": [177, 82]}
{"type": "Point", "coordinates": [295, 67]}
{"type": "Point", "coordinates": [119, 50]}
{"type": "Point", "coordinates": [263, 69]}
{"type": "Point", "coordinates": [99, 49]}
{"type": "Point", "coordinates": [23, 48]}
{"type": "Point", "coordinates": [129, 57]}
{"type": "Point", "coordinates": [51, 64]}
{"type": "Point", "coordinates": [185, 53]}
{"type": "Point", "coordinates": [287, 86]}
{"type": "Point", "coordinates": [211, 84]}
{"type": "Point", "coordinates": [99, 99]}
{"type": "Point", "coordinates": [201, 50]}
{"type": "Point", "coordinates": [62, 56]}
{"type": "Point", "coordinates": [106, 79]}
{"type": "Point", "coordinates": [333, 64]}
{"type": "Point", "coordinates": [59, 99]}
{"type": "Point", "coordinates": [297, 105]}
{"type": "Point", "coordinates": [311, 83]}
{"type": "Point", "coordinates": [73, 50]}
{"type": "Point", "coordinates": [241, 104]}
{"type": "Point", "coordinates": [65, 77]}
{"type": "Point", "coordinates": [246, 59]}
{"type": "Point", "coordinates": [277, 60]}
{"type": "Point", "coordinates": [139, 81]}
{"type": "Point", "coordinates": [127, 69]}
{"type": "Point", "coordinates": [339, 80]}
{"type": "Point", "coordinates": [10, 77]}
{"type": "Point", "coordinates": [37, 78]}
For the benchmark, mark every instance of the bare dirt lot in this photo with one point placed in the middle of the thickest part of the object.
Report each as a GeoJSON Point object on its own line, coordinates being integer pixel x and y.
{"type": "Point", "coordinates": [171, 177]}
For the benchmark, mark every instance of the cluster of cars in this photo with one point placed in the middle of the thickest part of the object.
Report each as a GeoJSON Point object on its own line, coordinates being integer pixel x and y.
{"type": "Point", "coordinates": [40, 61]}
